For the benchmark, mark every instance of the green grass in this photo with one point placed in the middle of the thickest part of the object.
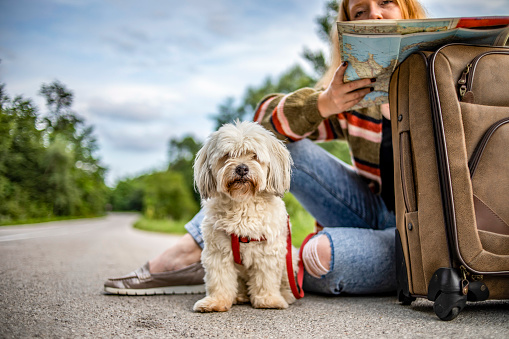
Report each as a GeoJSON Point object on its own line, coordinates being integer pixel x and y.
{"type": "Point", "coordinates": [302, 222]}
{"type": "Point", "coordinates": [337, 148]}
{"type": "Point", "coordinates": [41, 220]}
{"type": "Point", "coordinates": [161, 225]}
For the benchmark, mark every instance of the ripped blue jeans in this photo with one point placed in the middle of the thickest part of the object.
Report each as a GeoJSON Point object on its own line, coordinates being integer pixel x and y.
{"type": "Point", "coordinates": [360, 228]}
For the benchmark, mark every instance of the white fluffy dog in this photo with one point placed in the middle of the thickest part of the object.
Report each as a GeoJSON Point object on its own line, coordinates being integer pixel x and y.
{"type": "Point", "coordinates": [242, 172]}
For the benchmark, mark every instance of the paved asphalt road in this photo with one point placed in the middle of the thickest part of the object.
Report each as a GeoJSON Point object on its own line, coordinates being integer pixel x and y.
{"type": "Point", "coordinates": [51, 278]}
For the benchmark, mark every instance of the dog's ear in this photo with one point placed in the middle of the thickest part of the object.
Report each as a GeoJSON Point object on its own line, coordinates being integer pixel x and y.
{"type": "Point", "coordinates": [280, 167]}
{"type": "Point", "coordinates": [204, 180]}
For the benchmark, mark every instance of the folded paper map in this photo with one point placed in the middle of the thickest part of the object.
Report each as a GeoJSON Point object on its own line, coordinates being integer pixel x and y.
{"type": "Point", "coordinates": [373, 48]}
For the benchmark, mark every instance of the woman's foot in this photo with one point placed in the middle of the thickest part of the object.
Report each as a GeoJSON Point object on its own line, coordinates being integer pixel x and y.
{"type": "Point", "coordinates": [182, 254]}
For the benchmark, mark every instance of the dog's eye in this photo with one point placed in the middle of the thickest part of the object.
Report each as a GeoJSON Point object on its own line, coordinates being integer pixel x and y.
{"type": "Point", "coordinates": [224, 158]}
{"type": "Point", "coordinates": [255, 156]}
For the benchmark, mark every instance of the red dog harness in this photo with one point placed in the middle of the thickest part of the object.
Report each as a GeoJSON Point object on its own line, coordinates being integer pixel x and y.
{"type": "Point", "coordinates": [296, 286]}
{"type": "Point", "coordinates": [236, 246]}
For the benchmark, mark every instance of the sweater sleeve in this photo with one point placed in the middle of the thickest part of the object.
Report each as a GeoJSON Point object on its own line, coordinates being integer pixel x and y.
{"type": "Point", "coordinates": [295, 116]}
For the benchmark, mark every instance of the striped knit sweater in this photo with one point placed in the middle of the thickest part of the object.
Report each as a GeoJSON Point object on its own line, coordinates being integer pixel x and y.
{"type": "Point", "coordinates": [295, 116]}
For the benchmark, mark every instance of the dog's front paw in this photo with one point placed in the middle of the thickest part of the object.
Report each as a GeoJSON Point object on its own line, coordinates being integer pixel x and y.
{"type": "Point", "coordinates": [288, 296]}
{"type": "Point", "coordinates": [210, 304]}
{"type": "Point", "coordinates": [270, 301]}
{"type": "Point", "coordinates": [242, 298]}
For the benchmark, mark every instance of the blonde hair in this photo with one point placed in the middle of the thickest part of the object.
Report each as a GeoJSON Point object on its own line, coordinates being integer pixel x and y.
{"type": "Point", "coordinates": [410, 9]}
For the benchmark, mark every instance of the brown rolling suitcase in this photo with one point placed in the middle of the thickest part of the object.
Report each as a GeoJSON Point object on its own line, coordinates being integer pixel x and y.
{"type": "Point", "coordinates": [450, 130]}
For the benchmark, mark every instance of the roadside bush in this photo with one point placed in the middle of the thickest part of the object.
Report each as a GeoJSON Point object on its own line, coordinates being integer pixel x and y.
{"type": "Point", "coordinates": [167, 196]}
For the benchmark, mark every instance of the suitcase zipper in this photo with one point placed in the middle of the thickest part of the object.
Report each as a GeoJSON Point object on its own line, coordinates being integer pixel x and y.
{"type": "Point", "coordinates": [467, 77]}
{"type": "Point", "coordinates": [463, 81]}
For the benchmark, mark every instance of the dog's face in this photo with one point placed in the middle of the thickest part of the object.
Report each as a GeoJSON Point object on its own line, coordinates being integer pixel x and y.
{"type": "Point", "coordinates": [241, 160]}
{"type": "Point", "coordinates": [240, 176]}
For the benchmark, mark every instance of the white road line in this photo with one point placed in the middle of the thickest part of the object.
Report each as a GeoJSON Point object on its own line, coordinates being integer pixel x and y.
{"type": "Point", "coordinates": [50, 232]}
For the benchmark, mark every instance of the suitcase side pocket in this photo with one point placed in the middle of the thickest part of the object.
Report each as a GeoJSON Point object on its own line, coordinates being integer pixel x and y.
{"type": "Point", "coordinates": [486, 132]}
{"type": "Point", "coordinates": [488, 218]}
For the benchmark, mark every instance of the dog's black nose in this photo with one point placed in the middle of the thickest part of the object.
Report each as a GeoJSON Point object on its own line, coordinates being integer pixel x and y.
{"type": "Point", "coordinates": [242, 170]}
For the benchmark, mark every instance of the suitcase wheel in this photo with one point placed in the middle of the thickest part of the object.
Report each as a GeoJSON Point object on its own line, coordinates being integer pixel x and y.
{"type": "Point", "coordinates": [445, 289]}
{"type": "Point", "coordinates": [403, 299]}
{"type": "Point", "coordinates": [447, 306]}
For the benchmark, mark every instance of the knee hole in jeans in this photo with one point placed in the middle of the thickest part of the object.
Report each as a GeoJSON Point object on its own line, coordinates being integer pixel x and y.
{"type": "Point", "coordinates": [316, 256]}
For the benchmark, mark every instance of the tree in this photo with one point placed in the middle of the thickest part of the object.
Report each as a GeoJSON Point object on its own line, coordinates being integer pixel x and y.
{"type": "Point", "coordinates": [75, 175]}
{"type": "Point", "coordinates": [60, 183]}
{"type": "Point", "coordinates": [47, 163]}
{"type": "Point", "coordinates": [166, 196]}
{"type": "Point", "coordinates": [181, 154]}
{"type": "Point", "coordinates": [317, 60]}
{"type": "Point", "coordinates": [128, 195]}
{"type": "Point", "coordinates": [228, 113]}
{"type": "Point", "coordinates": [325, 24]}
{"type": "Point", "coordinates": [291, 80]}
{"type": "Point", "coordinates": [21, 154]}
{"type": "Point", "coordinates": [327, 20]}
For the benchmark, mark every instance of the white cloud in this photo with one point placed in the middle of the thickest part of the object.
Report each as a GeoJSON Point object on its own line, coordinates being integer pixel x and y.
{"type": "Point", "coordinates": [128, 111]}
{"type": "Point", "coordinates": [458, 8]}
{"type": "Point", "coordinates": [150, 137]}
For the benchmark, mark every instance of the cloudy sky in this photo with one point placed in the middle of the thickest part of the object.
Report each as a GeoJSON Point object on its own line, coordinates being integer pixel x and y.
{"type": "Point", "coordinates": [143, 72]}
